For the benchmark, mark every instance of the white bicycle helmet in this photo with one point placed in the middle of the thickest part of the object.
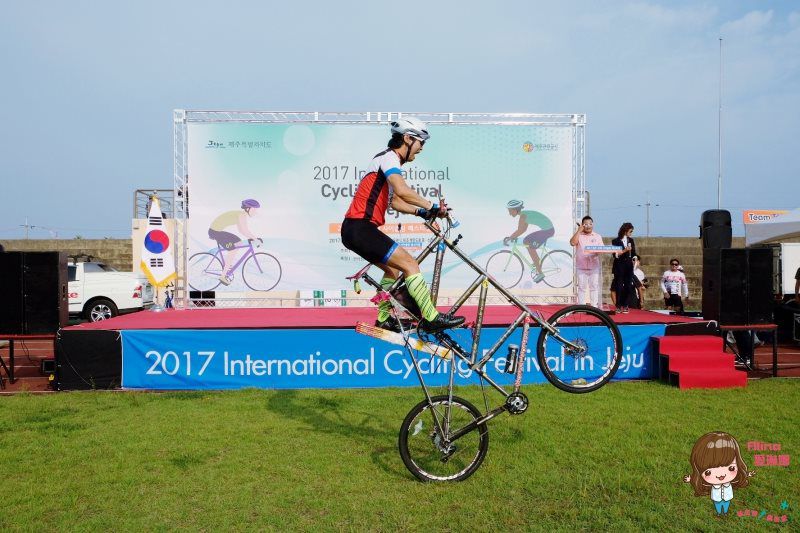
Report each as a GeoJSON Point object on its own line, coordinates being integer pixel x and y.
{"type": "Point", "coordinates": [411, 126]}
{"type": "Point", "coordinates": [515, 204]}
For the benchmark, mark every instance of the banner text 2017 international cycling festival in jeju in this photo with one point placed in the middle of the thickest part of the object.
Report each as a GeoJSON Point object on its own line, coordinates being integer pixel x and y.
{"type": "Point", "coordinates": [304, 175]}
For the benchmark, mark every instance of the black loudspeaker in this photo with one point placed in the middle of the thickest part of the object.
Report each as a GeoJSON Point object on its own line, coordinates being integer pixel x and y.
{"type": "Point", "coordinates": [760, 287]}
{"type": "Point", "coordinates": [203, 298]}
{"type": "Point", "coordinates": [737, 285]}
{"type": "Point", "coordinates": [88, 359]}
{"type": "Point", "coordinates": [36, 283]}
{"type": "Point", "coordinates": [715, 228]}
{"type": "Point", "coordinates": [11, 288]}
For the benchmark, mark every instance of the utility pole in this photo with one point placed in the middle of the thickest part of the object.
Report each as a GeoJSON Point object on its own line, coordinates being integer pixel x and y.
{"type": "Point", "coordinates": [647, 205]}
{"type": "Point", "coordinates": [27, 228]}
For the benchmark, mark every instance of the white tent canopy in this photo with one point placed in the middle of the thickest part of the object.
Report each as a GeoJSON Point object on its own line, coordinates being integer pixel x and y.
{"type": "Point", "coordinates": [783, 226]}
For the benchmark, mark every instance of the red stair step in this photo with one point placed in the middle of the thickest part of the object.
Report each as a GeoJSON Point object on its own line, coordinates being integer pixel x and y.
{"type": "Point", "coordinates": [698, 361]}
{"type": "Point", "coordinates": [694, 379]}
{"type": "Point", "coordinates": [677, 343]}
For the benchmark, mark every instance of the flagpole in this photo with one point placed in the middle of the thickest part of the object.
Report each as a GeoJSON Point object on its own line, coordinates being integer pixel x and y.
{"type": "Point", "coordinates": [719, 133]}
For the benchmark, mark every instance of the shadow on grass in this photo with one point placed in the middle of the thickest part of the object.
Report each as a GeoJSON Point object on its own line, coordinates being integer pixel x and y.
{"type": "Point", "coordinates": [52, 422]}
{"type": "Point", "coordinates": [186, 460]}
{"type": "Point", "coordinates": [328, 415]}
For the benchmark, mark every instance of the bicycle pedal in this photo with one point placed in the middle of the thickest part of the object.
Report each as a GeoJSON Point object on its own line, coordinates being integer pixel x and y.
{"type": "Point", "coordinates": [398, 338]}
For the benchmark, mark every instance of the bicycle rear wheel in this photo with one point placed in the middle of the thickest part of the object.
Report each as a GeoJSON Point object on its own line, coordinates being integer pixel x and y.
{"type": "Point", "coordinates": [261, 272]}
{"type": "Point", "coordinates": [557, 269]}
{"type": "Point", "coordinates": [596, 357]}
{"type": "Point", "coordinates": [506, 268]}
{"type": "Point", "coordinates": [428, 454]}
{"type": "Point", "coordinates": [204, 270]}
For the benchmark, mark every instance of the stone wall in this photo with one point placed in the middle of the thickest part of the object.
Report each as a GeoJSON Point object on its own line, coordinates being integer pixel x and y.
{"type": "Point", "coordinates": [654, 251]}
{"type": "Point", "coordinates": [116, 252]}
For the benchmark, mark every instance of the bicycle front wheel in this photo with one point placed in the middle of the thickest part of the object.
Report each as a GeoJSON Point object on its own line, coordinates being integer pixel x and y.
{"type": "Point", "coordinates": [584, 352]}
{"type": "Point", "coordinates": [426, 449]}
{"type": "Point", "coordinates": [557, 269]}
{"type": "Point", "coordinates": [204, 271]}
{"type": "Point", "coordinates": [261, 272]}
{"type": "Point", "coordinates": [506, 268]}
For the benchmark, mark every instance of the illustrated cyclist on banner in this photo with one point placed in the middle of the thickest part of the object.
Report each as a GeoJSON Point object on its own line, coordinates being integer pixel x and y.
{"type": "Point", "coordinates": [535, 239]}
{"type": "Point", "coordinates": [227, 240]}
{"type": "Point", "coordinates": [381, 187]}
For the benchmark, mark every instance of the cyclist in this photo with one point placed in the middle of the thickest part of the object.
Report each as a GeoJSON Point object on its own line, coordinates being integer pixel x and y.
{"type": "Point", "coordinates": [227, 240]}
{"type": "Point", "coordinates": [381, 187]}
{"type": "Point", "coordinates": [535, 239]}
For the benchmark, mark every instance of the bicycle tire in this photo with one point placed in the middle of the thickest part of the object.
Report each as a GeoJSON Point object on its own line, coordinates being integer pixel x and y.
{"type": "Point", "coordinates": [421, 454]}
{"type": "Point", "coordinates": [267, 270]}
{"type": "Point", "coordinates": [591, 328]}
{"type": "Point", "coordinates": [562, 266]}
{"type": "Point", "coordinates": [199, 277]}
{"type": "Point", "coordinates": [511, 270]}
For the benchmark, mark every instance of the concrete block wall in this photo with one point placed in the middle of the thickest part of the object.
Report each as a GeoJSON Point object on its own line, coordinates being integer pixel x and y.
{"type": "Point", "coordinates": [655, 252]}
{"type": "Point", "coordinates": [115, 252]}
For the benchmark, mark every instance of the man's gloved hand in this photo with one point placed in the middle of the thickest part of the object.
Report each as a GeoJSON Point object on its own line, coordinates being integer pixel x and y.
{"type": "Point", "coordinates": [428, 214]}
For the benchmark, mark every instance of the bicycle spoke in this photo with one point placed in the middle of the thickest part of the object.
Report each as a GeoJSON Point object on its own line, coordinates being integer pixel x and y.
{"type": "Point", "coordinates": [597, 352]}
{"type": "Point", "coordinates": [427, 452]}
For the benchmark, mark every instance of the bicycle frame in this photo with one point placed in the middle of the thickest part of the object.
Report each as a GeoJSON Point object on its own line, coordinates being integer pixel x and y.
{"type": "Point", "coordinates": [483, 280]}
{"type": "Point", "coordinates": [525, 257]}
{"type": "Point", "coordinates": [220, 254]}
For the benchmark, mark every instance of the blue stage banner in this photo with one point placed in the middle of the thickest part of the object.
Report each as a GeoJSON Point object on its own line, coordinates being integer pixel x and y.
{"type": "Point", "coordinates": [322, 358]}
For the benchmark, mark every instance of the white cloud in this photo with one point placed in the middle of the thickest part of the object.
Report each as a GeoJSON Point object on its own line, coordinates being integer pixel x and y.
{"type": "Point", "coordinates": [751, 23]}
{"type": "Point", "coordinates": [794, 19]}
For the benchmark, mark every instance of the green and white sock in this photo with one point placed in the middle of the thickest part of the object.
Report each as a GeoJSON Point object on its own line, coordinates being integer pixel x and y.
{"type": "Point", "coordinates": [418, 290]}
{"type": "Point", "coordinates": [385, 308]}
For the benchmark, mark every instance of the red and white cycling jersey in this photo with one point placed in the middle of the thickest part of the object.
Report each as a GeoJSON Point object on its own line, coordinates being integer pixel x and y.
{"type": "Point", "coordinates": [374, 193]}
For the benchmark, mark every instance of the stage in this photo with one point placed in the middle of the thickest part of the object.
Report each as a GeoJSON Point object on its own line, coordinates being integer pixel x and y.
{"type": "Point", "coordinates": [300, 348]}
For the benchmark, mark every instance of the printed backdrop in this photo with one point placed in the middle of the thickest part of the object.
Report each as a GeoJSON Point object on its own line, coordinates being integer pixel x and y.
{"type": "Point", "coordinates": [305, 175]}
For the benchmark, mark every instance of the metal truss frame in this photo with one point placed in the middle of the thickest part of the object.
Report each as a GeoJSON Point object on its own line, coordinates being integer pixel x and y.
{"type": "Point", "coordinates": [182, 118]}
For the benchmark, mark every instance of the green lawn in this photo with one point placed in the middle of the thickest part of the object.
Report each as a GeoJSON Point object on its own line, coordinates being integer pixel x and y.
{"type": "Point", "coordinates": [318, 459]}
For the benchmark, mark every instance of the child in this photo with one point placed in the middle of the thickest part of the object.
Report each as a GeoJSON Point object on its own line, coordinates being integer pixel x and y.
{"type": "Point", "coordinates": [717, 466]}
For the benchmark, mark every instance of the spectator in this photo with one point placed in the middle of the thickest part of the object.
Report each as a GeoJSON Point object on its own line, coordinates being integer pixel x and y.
{"type": "Point", "coordinates": [587, 263]}
{"type": "Point", "coordinates": [640, 282]}
{"type": "Point", "coordinates": [622, 286]}
{"type": "Point", "coordinates": [674, 286]}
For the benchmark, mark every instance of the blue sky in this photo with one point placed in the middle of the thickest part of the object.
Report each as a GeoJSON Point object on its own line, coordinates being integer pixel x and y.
{"type": "Point", "coordinates": [88, 89]}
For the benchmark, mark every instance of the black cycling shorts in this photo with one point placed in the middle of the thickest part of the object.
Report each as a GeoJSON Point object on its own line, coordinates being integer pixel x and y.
{"type": "Point", "coordinates": [225, 239]}
{"type": "Point", "coordinates": [364, 238]}
{"type": "Point", "coordinates": [538, 238]}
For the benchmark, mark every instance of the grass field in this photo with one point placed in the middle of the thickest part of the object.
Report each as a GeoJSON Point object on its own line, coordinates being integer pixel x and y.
{"type": "Point", "coordinates": [318, 459]}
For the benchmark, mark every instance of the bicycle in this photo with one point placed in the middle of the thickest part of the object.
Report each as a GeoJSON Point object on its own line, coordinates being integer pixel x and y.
{"type": "Point", "coordinates": [508, 266]}
{"type": "Point", "coordinates": [168, 295]}
{"type": "Point", "coordinates": [260, 271]}
{"type": "Point", "coordinates": [445, 437]}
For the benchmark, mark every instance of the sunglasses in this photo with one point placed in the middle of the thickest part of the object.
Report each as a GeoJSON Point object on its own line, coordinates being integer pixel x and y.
{"type": "Point", "coordinates": [675, 264]}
